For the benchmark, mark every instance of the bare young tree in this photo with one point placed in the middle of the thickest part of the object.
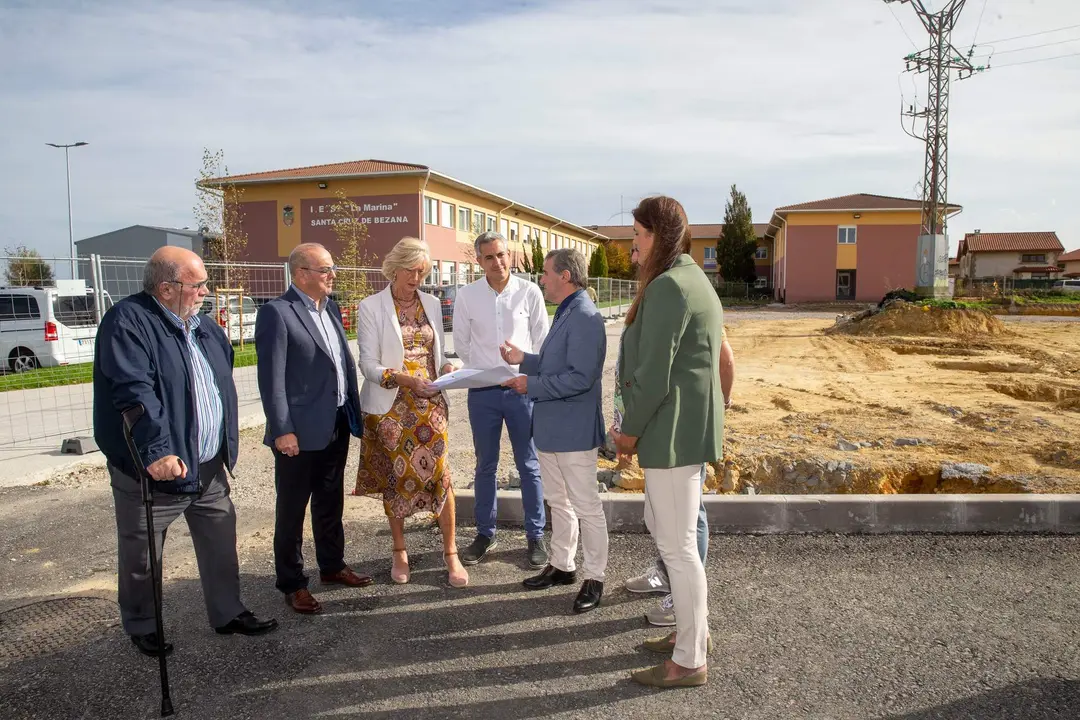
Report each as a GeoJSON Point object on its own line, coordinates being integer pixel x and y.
{"type": "Point", "coordinates": [219, 216]}
{"type": "Point", "coordinates": [351, 285]}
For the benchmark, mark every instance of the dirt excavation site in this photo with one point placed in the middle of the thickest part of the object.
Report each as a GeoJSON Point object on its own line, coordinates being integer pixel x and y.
{"type": "Point", "coordinates": [910, 400]}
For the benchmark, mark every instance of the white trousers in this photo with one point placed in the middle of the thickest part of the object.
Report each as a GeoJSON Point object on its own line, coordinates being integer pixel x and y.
{"type": "Point", "coordinates": [672, 500]}
{"type": "Point", "coordinates": [570, 489]}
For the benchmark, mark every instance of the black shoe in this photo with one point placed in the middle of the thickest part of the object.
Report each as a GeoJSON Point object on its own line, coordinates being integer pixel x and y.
{"type": "Point", "coordinates": [477, 550]}
{"type": "Point", "coordinates": [247, 624]}
{"type": "Point", "coordinates": [589, 596]}
{"type": "Point", "coordinates": [537, 553]}
{"type": "Point", "coordinates": [550, 577]}
{"type": "Point", "coordinates": [148, 644]}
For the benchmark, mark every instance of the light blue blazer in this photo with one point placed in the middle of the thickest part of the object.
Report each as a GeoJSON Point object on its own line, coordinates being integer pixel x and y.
{"type": "Point", "coordinates": [565, 381]}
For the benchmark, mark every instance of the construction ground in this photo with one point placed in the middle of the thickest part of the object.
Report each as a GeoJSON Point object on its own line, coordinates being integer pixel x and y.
{"type": "Point", "coordinates": [912, 401]}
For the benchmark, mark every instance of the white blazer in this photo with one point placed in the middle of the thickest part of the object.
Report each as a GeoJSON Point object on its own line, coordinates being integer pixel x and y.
{"type": "Point", "coordinates": [381, 346]}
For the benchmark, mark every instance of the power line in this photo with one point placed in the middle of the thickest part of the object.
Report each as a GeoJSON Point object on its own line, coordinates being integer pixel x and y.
{"type": "Point", "coordinates": [1034, 47]}
{"type": "Point", "coordinates": [1037, 60]}
{"type": "Point", "coordinates": [1020, 37]}
{"type": "Point", "coordinates": [897, 18]}
{"type": "Point", "coordinates": [979, 25]}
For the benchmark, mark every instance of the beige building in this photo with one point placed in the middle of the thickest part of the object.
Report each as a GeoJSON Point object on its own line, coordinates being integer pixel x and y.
{"type": "Point", "coordinates": [1070, 264]}
{"type": "Point", "coordinates": [1020, 255]}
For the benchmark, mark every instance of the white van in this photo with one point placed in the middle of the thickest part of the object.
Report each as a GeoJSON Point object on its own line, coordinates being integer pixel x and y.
{"type": "Point", "coordinates": [1069, 286]}
{"type": "Point", "coordinates": [48, 326]}
{"type": "Point", "coordinates": [214, 307]}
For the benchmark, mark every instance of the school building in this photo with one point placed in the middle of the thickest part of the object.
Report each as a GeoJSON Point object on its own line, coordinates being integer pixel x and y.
{"type": "Point", "coordinates": [282, 208]}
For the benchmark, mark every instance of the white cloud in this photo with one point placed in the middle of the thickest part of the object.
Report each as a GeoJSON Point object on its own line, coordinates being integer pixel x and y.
{"type": "Point", "coordinates": [565, 105]}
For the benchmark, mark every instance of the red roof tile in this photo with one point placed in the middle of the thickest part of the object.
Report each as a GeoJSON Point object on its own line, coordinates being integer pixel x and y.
{"type": "Point", "coordinates": [355, 167]}
{"type": "Point", "coordinates": [1012, 242]}
{"type": "Point", "coordinates": [1071, 256]}
{"type": "Point", "coordinates": [860, 201]}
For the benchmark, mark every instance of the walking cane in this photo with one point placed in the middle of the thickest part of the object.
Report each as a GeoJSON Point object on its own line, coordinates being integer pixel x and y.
{"type": "Point", "coordinates": [132, 416]}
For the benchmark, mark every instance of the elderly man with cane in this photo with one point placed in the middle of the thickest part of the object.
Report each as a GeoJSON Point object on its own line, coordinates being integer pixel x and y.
{"type": "Point", "coordinates": [154, 352]}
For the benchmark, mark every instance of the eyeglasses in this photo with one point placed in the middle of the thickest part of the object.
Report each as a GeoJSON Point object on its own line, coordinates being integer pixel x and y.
{"type": "Point", "coordinates": [196, 286]}
{"type": "Point", "coordinates": [322, 270]}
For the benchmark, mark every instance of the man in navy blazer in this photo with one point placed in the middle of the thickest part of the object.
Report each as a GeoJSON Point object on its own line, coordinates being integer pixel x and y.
{"type": "Point", "coordinates": [308, 385]}
{"type": "Point", "coordinates": [564, 382]}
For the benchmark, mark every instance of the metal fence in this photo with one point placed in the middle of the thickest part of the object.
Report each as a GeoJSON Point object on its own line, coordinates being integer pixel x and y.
{"type": "Point", "coordinates": [996, 286]}
{"type": "Point", "coordinates": [48, 323]}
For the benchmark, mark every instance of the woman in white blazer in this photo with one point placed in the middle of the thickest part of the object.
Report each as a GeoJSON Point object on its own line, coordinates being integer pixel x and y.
{"type": "Point", "coordinates": [404, 458]}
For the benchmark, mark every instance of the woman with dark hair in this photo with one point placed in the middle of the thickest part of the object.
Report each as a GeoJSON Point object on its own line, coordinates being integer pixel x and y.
{"type": "Point", "coordinates": [673, 418]}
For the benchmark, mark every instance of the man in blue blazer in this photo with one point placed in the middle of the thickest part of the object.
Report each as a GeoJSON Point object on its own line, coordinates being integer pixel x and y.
{"type": "Point", "coordinates": [308, 385]}
{"type": "Point", "coordinates": [564, 383]}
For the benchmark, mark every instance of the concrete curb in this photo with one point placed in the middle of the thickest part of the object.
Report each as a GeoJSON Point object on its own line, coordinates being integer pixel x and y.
{"type": "Point", "coordinates": [841, 514]}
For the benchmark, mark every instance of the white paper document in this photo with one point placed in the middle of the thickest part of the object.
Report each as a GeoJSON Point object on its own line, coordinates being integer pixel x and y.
{"type": "Point", "coordinates": [473, 378]}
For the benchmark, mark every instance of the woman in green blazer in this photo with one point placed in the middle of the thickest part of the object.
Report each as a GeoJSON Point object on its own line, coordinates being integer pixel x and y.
{"type": "Point", "coordinates": [673, 418]}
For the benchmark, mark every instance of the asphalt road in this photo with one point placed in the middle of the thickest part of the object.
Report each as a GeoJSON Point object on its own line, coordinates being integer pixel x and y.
{"type": "Point", "coordinates": [904, 628]}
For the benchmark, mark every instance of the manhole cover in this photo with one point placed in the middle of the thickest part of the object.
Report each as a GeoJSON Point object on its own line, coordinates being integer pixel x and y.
{"type": "Point", "coordinates": [50, 626]}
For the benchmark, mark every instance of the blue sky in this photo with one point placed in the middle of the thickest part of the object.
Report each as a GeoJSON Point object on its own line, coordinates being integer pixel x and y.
{"type": "Point", "coordinates": [578, 108]}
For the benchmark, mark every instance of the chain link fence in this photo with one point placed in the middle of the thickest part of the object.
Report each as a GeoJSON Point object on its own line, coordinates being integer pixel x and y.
{"type": "Point", "coordinates": [48, 326]}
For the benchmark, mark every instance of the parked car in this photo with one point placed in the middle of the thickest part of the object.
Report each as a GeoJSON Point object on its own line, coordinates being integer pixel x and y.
{"type": "Point", "coordinates": [1068, 286]}
{"type": "Point", "coordinates": [447, 294]}
{"type": "Point", "coordinates": [48, 326]}
{"type": "Point", "coordinates": [214, 307]}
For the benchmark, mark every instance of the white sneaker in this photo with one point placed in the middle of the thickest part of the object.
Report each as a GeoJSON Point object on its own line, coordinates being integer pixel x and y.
{"type": "Point", "coordinates": [649, 582]}
{"type": "Point", "coordinates": [664, 614]}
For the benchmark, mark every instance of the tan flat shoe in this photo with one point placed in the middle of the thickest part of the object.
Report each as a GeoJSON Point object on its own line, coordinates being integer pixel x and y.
{"type": "Point", "coordinates": [655, 677]}
{"type": "Point", "coordinates": [666, 644]}
{"type": "Point", "coordinates": [398, 575]}
{"type": "Point", "coordinates": [458, 579]}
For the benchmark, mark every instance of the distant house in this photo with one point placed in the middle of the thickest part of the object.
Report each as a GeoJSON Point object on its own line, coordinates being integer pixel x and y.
{"type": "Point", "coordinates": [855, 247]}
{"type": "Point", "coordinates": [704, 239]}
{"type": "Point", "coordinates": [1015, 255]}
{"type": "Point", "coordinates": [1069, 264]}
{"type": "Point", "coordinates": [139, 241]}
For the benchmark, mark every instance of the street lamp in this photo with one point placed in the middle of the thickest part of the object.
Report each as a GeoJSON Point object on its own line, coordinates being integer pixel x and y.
{"type": "Point", "coordinates": [71, 234]}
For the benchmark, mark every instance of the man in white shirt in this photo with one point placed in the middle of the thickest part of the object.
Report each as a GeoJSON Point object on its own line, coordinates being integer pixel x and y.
{"type": "Point", "coordinates": [488, 313]}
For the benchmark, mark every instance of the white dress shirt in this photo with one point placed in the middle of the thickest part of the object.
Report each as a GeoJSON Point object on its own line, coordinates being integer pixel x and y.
{"type": "Point", "coordinates": [331, 340]}
{"type": "Point", "coordinates": [485, 319]}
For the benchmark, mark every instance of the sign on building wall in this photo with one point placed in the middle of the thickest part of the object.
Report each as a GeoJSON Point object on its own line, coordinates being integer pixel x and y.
{"type": "Point", "coordinates": [388, 219]}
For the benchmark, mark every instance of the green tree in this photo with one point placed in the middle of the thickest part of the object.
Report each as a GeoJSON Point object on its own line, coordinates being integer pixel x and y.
{"type": "Point", "coordinates": [598, 264]}
{"type": "Point", "coordinates": [537, 257]}
{"type": "Point", "coordinates": [219, 215]}
{"type": "Point", "coordinates": [738, 242]}
{"type": "Point", "coordinates": [25, 268]}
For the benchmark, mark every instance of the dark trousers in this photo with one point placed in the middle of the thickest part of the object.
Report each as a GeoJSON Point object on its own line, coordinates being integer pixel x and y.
{"type": "Point", "coordinates": [211, 519]}
{"type": "Point", "coordinates": [318, 475]}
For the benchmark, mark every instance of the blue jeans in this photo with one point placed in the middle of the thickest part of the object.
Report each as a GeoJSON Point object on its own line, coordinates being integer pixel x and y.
{"type": "Point", "coordinates": [488, 409]}
{"type": "Point", "coordinates": [702, 531]}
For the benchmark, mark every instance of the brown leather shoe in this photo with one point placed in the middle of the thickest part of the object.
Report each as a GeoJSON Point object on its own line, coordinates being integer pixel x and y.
{"type": "Point", "coordinates": [303, 602]}
{"type": "Point", "coordinates": [346, 577]}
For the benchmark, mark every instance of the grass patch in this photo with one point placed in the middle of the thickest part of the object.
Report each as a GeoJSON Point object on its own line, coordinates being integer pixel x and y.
{"type": "Point", "coordinates": [1047, 299]}
{"type": "Point", "coordinates": [48, 377]}
{"type": "Point", "coordinates": [956, 304]}
{"type": "Point", "coordinates": [245, 357]}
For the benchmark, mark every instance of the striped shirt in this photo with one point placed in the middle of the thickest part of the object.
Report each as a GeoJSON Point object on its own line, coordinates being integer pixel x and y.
{"type": "Point", "coordinates": [209, 412]}
{"type": "Point", "coordinates": [330, 337]}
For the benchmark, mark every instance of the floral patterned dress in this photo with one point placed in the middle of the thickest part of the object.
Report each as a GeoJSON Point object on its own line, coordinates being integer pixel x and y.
{"type": "Point", "coordinates": [403, 454]}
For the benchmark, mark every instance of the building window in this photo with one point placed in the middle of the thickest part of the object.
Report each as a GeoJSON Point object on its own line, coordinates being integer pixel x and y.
{"type": "Point", "coordinates": [544, 241]}
{"type": "Point", "coordinates": [504, 227]}
{"type": "Point", "coordinates": [431, 210]}
{"type": "Point", "coordinates": [1033, 258]}
{"type": "Point", "coordinates": [763, 252]}
{"type": "Point", "coordinates": [491, 223]}
{"type": "Point", "coordinates": [761, 282]}
{"type": "Point", "coordinates": [710, 252]}
{"type": "Point", "coordinates": [514, 232]}
{"type": "Point", "coordinates": [463, 223]}
{"type": "Point", "coordinates": [447, 273]}
{"type": "Point", "coordinates": [478, 222]}
{"type": "Point", "coordinates": [527, 229]}
{"type": "Point", "coordinates": [845, 236]}
{"type": "Point", "coordinates": [447, 215]}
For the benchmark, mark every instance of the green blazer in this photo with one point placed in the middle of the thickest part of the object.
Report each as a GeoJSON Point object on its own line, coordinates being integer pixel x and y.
{"type": "Point", "coordinates": [669, 370]}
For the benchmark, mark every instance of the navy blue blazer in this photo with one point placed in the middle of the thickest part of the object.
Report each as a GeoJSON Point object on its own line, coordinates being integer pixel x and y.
{"type": "Point", "coordinates": [565, 381]}
{"type": "Point", "coordinates": [297, 377]}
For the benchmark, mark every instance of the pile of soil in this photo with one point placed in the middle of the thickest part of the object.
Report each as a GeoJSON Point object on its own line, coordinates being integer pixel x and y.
{"type": "Point", "coordinates": [905, 319]}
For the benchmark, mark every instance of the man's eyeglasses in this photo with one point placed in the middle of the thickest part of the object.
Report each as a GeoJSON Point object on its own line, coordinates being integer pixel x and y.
{"type": "Point", "coordinates": [195, 286]}
{"type": "Point", "coordinates": [322, 270]}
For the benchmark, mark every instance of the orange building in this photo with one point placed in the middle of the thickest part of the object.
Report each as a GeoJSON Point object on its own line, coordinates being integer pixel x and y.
{"type": "Point", "coordinates": [283, 208]}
